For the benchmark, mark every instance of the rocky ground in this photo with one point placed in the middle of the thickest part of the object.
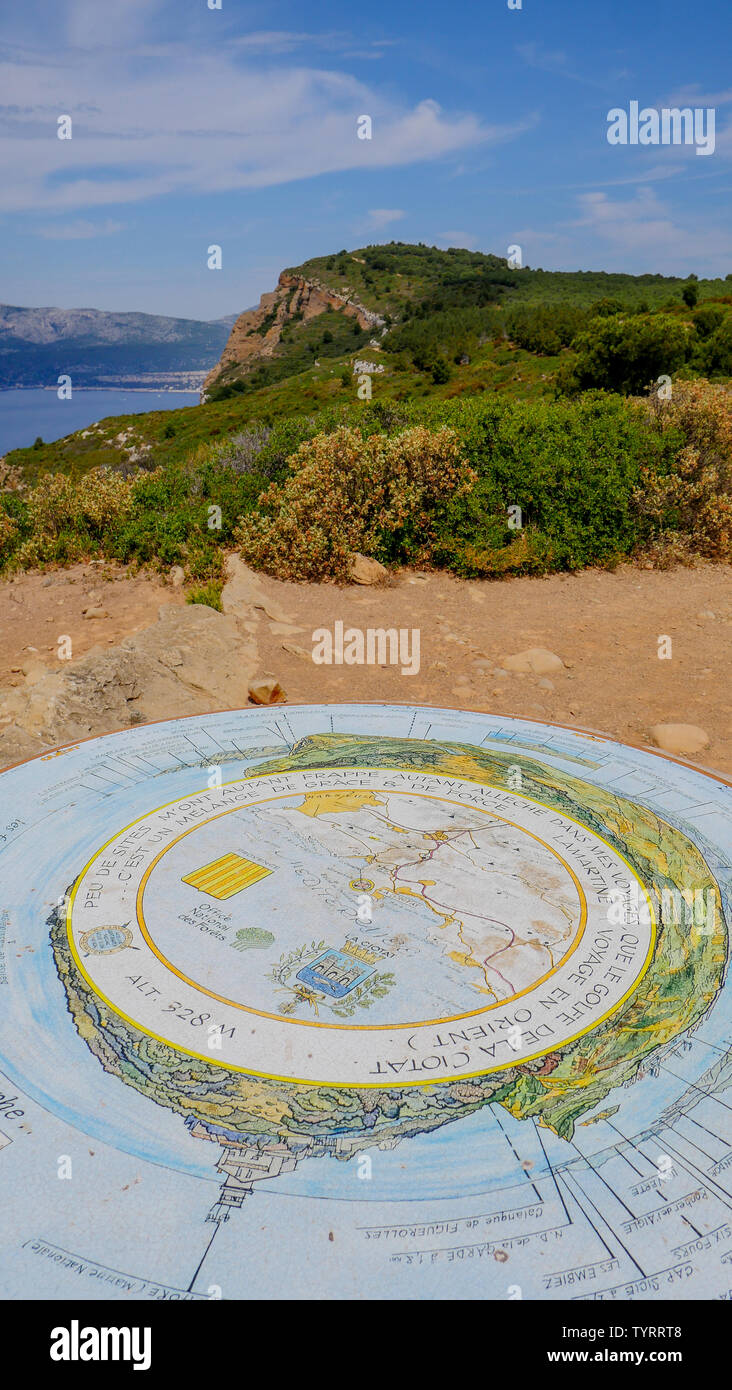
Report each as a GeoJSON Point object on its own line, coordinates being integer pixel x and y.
{"type": "Point", "coordinates": [627, 653]}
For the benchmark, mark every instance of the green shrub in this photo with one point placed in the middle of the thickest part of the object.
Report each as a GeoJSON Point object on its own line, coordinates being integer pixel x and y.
{"type": "Point", "coordinates": [626, 354]}
{"type": "Point", "coordinates": [440, 372]}
{"type": "Point", "coordinates": [708, 319]}
{"type": "Point", "coordinates": [571, 466]}
{"type": "Point", "coordinates": [207, 594]}
{"type": "Point", "coordinates": [545, 329]}
{"type": "Point", "coordinates": [716, 356]}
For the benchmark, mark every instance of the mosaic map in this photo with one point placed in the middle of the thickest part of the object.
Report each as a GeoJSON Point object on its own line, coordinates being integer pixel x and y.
{"type": "Point", "coordinates": [364, 1001]}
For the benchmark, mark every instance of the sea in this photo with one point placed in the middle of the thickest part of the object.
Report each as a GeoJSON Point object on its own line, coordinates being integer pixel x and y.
{"type": "Point", "coordinates": [26, 414]}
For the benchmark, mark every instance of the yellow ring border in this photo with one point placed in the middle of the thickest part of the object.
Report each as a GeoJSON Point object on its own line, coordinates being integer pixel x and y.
{"type": "Point", "coordinates": [358, 1027]}
{"type": "Point", "coordinates": [362, 1085]}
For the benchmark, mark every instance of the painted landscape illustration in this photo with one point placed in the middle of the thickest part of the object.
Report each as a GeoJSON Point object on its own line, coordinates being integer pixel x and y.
{"type": "Point", "coordinates": [365, 632]}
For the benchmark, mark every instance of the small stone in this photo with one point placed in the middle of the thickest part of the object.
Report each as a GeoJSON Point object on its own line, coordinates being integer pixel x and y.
{"type": "Point", "coordinates": [679, 738]}
{"type": "Point", "coordinates": [34, 669]}
{"type": "Point", "coordinates": [177, 576]}
{"type": "Point", "coordinates": [706, 613]}
{"type": "Point", "coordinates": [536, 660]}
{"type": "Point", "coordinates": [363, 569]}
{"type": "Point", "coordinates": [47, 582]}
{"type": "Point", "coordinates": [267, 692]}
{"type": "Point", "coordinates": [95, 613]}
{"type": "Point", "coordinates": [284, 629]}
{"type": "Point", "coordinates": [294, 650]}
{"type": "Point", "coordinates": [545, 684]}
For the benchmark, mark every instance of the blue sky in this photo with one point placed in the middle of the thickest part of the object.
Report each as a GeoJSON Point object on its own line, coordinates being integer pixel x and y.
{"type": "Point", "coordinates": [237, 127]}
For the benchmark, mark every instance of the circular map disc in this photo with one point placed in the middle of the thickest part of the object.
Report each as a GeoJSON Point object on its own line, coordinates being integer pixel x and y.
{"type": "Point", "coordinates": [448, 988]}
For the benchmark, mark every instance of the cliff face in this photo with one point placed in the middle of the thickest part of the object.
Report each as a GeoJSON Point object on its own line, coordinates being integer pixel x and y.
{"type": "Point", "coordinates": [256, 334]}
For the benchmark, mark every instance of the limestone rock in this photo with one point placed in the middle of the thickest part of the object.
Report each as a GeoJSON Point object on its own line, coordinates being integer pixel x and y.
{"type": "Point", "coordinates": [191, 661]}
{"type": "Point", "coordinates": [294, 295]}
{"type": "Point", "coordinates": [267, 691]}
{"type": "Point", "coordinates": [363, 569]}
{"type": "Point", "coordinates": [244, 590]}
{"type": "Point", "coordinates": [679, 738]}
{"type": "Point", "coordinates": [16, 745]}
{"type": "Point", "coordinates": [535, 660]}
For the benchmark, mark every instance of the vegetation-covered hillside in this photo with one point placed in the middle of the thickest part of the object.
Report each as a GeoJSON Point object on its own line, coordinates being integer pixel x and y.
{"type": "Point", "coordinates": [555, 389]}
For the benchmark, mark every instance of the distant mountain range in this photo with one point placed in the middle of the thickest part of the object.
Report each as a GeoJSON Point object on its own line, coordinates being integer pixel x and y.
{"type": "Point", "coordinates": [108, 350]}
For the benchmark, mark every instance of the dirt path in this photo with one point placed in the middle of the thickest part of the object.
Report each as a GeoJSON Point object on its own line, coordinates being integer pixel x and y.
{"type": "Point", "coordinates": [605, 626]}
{"type": "Point", "coordinates": [36, 610]}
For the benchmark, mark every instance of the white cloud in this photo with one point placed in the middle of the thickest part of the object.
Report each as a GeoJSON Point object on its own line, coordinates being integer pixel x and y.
{"type": "Point", "coordinates": [176, 119]}
{"type": "Point", "coordinates": [638, 235]}
{"type": "Point", "coordinates": [381, 217]}
{"type": "Point", "coordinates": [80, 230]}
{"type": "Point", "coordinates": [90, 24]}
{"type": "Point", "coordinates": [535, 55]}
{"type": "Point", "coordinates": [658, 241]}
{"type": "Point", "coordinates": [271, 41]}
{"type": "Point", "coordinates": [691, 96]}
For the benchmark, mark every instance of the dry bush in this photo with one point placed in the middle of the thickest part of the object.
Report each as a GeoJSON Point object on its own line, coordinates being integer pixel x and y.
{"type": "Point", "coordinates": [69, 518]}
{"type": "Point", "coordinates": [8, 532]}
{"type": "Point", "coordinates": [689, 508]}
{"type": "Point", "coordinates": [381, 495]}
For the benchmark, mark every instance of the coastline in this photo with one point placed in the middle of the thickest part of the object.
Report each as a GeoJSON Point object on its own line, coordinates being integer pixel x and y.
{"type": "Point", "coordinates": [141, 390]}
